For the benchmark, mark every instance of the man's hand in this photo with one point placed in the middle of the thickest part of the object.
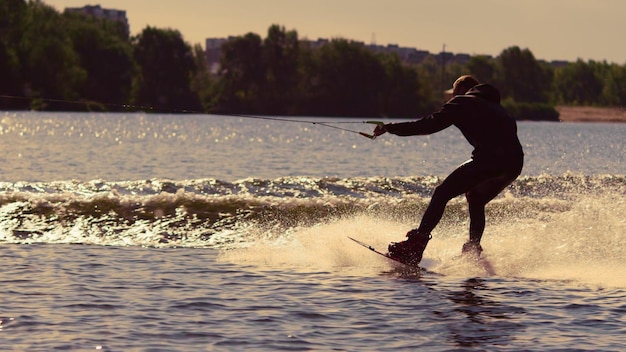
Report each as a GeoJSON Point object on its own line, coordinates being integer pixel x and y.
{"type": "Point", "coordinates": [380, 129]}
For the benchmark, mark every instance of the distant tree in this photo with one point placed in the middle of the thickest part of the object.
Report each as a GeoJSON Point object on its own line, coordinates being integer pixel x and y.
{"type": "Point", "coordinates": [10, 80]}
{"type": "Point", "coordinates": [12, 14]}
{"type": "Point", "coordinates": [53, 61]}
{"type": "Point", "coordinates": [614, 87]}
{"type": "Point", "coordinates": [166, 68]}
{"type": "Point", "coordinates": [241, 75]}
{"type": "Point", "coordinates": [50, 66]}
{"type": "Point", "coordinates": [429, 73]}
{"type": "Point", "coordinates": [483, 68]}
{"type": "Point", "coordinates": [521, 78]}
{"type": "Point", "coordinates": [106, 56]}
{"type": "Point", "coordinates": [577, 84]}
{"type": "Point", "coordinates": [201, 83]}
{"type": "Point", "coordinates": [348, 80]}
{"type": "Point", "coordinates": [280, 56]}
{"type": "Point", "coordinates": [402, 91]}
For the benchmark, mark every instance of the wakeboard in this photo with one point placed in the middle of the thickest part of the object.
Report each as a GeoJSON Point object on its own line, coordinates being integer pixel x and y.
{"type": "Point", "coordinates": [371, 248]}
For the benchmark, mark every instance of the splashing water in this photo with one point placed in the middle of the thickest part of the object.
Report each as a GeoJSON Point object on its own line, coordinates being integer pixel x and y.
{"type": "Point", "coordinates": [543, 239]}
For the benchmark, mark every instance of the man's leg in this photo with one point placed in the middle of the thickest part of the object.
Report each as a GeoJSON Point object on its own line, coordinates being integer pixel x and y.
{"type": "Point", "coordinates": [462, 180]}
{"type": "Point", "coordinates": [479, 196]}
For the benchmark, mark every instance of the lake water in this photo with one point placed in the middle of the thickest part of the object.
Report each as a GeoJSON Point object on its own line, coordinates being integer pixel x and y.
{"type": "Point", "coordinates": [135, 232]}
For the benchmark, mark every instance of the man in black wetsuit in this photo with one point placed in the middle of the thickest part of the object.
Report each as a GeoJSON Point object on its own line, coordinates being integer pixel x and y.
{"type": "Point", "coordinates": [496, 161]}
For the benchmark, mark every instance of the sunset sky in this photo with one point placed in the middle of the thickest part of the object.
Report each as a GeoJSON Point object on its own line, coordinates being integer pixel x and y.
{"type": "Point", "coordinates": [551, 29]}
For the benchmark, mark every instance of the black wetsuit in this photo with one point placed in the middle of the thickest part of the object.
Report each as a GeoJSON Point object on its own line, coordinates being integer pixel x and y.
{"type": "Point", "coordinates": [496, 161]}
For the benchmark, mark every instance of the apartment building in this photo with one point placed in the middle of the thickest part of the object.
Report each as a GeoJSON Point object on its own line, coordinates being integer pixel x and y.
{"type": "Point", "coordinates": [99, 12]}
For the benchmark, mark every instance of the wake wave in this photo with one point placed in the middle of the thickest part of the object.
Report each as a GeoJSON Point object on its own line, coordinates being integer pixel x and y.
{"type": "Point", "coordinates": [568, 227]}
{"type": "Point", "coordinates": [207, 212]}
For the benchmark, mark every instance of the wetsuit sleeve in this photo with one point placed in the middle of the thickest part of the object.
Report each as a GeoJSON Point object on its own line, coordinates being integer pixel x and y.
{"type": "Point", "coordinates": [433, 123]}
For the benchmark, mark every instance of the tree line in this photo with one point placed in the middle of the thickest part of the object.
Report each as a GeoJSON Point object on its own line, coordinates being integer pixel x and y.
{"type": "Point", "coordinates": [66, 61]}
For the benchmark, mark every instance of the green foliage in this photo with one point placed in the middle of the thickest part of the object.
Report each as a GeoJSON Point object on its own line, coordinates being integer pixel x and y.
{"type": "Point", "coordinates": [401, 94]}
{"type": "Point", "coordinates": [201, 83]}
{"type": "Point", "coordinates": [106, 58]}
{"type": "Point", "coordinates": [279, 75]}
{"type": "Point", "coordinates": [614, 89]}
{"type": "Point", "coordinates": [241, 71]}
{"type": "Point", "coordinates": [74, 62]}
{"type": "Point", "coordinates": [50, 66]}
{"type": "Point", "coordinates": [10, 77]}
{"type": "Point", "coordinates": [167, 67]}
{"type": "Point", "coordinates": [52, 61]}
{"type": "Point", "coordinates": [482, 67]}
{"type": "Point", "coordinates": [590, 83]}
{"type": "Point", "coordinates": [280, 58]}
{"type": "Point", "coordinates": [431, 82]}
{"type": "Point", "coordinates": [521, 78]}
{"type": "Point", "coordinates": [346, 81]}
{"type": "Point", "coordinates": [531, 111]}
{"type": "Point", "coordinates": [578, 84]}
{"type": "Point", "coordinates": [12, 13]}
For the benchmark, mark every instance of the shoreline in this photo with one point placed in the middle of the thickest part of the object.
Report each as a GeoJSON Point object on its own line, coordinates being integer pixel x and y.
{"type": "Point", "coordinates": [569, 113]}
{"type": "Point", "coordinates": [590, 114]}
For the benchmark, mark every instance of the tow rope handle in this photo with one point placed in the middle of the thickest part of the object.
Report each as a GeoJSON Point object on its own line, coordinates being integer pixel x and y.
{"type": "Point", "coordinates": [371, 136]}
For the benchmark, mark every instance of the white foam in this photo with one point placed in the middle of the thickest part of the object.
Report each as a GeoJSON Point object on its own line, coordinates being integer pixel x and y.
{"type": "Point", "coordinates": [583, 244]}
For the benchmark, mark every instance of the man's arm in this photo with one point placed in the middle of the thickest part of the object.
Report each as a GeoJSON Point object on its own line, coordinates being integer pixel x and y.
{"type": "Point", "coordinates": [433, 123]}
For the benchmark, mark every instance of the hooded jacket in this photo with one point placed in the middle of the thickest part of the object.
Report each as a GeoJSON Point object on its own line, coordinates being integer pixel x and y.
{"type": "Point", "coordinates": [479, 116]}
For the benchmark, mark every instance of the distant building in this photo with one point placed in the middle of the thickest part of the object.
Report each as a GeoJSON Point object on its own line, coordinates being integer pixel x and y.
{"type": "Point", "coordinates": [213, 49]}
{"type": "Point", "coordinates": [99, 12]}
{"type": "Point", "coordinates": [407, 55]}
{"type": "Point", "coordinates": [318, 43]}
{"type": "Point", "coordinates": [559, 63]}
{"type": "Point", "coordinates": [461, 58]}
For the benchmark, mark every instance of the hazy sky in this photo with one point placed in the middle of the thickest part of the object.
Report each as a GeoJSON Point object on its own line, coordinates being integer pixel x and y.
{"type": "Point", "coordinates": [551, 29]}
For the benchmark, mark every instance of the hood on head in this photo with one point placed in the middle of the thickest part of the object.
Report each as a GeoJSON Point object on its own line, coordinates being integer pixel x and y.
{"type": "Point", "coordinates": [485, 91]}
